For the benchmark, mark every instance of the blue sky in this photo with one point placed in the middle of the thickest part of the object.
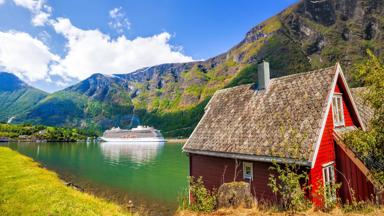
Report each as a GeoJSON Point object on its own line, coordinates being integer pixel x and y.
{"type": "Point", "coordinates": [54, 44]}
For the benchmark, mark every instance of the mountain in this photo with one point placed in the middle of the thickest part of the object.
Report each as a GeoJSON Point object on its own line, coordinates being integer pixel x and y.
{"type": "Point", "coordinates": [308, 35]}
{"type": "Point", "coordinates": [96, 103]}
{"type": "Point", "coordinates": [16, 96]}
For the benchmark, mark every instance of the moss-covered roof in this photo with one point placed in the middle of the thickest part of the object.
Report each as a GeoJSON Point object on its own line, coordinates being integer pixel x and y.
{"type": "Point", "coordinates": [248, 121]}
{"type": "Point", "coordinates": [365, 110]}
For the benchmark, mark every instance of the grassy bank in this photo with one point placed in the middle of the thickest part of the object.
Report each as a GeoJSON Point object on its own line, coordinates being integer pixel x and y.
{"type": "Point", "coordinates": [27, 189]}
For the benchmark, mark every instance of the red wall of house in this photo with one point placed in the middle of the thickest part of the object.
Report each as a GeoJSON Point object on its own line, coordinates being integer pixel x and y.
{"type": "Point", "coordinates": [216, 171]}
{"type": "Point", "coordinates": [325, 155]}
{"type": "Point", "coordinates": [352, 179]}
{"type": "Point", "coordinates": [327, 152]}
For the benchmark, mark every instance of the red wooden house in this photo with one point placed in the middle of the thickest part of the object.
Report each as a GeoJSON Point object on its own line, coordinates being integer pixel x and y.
{"type": "Point", "coordinates": [241, 134]}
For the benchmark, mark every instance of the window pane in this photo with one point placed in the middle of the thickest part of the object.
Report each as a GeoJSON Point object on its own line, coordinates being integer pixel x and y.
{"type": "Point", "coordinates": [324, 175]}
{"type": "Point", "coordinates": [334, 106]}
{"type": "Point", "coordinates": [332, 171]}
{"type": "Point", "coordinates": [339, 105]}
{"type": "Point", "coordinates": [247, 171]}
{"type": "Point", "coordinates": [329, 180]}
{"type": "Point", "coordinates": [338, 110]}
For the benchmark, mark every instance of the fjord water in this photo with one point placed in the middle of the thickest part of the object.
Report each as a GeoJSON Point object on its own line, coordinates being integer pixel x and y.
{"type": "Point", "coordinates": [151, 175]}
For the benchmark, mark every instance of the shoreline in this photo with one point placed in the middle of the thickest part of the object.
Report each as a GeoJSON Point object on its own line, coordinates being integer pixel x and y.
{"type": "Point", "coordinates": [39, 141]}
{"type": "Point", "coordinates": [176, 140]}
{"type": "Point", "coordinates": [35, 141]}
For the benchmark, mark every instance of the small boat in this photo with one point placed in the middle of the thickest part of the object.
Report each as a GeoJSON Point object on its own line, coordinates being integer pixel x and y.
{"type": "Point", "coordinates": [138, 134]}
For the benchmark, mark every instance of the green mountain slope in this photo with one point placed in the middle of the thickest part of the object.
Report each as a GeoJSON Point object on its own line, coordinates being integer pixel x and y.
{"type": "Point", "coordinates": [16, 97]}
{"type": "Point", "coordinates": [96, 103]}
{"type": "Point", "coordinates": [171, 97]}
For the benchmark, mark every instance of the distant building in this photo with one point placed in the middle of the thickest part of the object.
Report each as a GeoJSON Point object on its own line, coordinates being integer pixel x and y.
{"type": "Point", "coordinates": [244, 129]}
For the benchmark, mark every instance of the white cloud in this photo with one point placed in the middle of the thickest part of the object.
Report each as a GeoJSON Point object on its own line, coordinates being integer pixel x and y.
{"type": "Point", "coordinates": [87, 51]}
{"type": "Point", "coordinates": [25, 56]}
{"type": "Point", "coordinates": [91, 51]}
{"type": "Point", "coordinates": [118, 20]}
{"type": "Point", "coordinates": [2, 2]}
{"type": "Point", "coordinates": [40, 19]}
{"type": "Point", "coordinates": [39, 9]}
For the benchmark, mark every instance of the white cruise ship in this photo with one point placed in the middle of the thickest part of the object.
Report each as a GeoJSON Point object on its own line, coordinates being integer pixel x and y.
{"type": "Point", "coordinates": [139, 134]}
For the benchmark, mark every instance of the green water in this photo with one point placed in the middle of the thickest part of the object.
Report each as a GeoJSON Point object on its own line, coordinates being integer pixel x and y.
{"type": "Point", "coordinates": [150, 175]}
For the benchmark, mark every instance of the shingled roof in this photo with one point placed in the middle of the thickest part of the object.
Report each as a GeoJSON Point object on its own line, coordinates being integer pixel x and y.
{"type": "Point", "coordinates": [365, 110]}
{"type": "Point", "coordinates": [250, 122]}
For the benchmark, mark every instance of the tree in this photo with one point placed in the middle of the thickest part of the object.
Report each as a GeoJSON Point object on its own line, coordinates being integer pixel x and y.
{"type": "Point", "coordinates": [369, 145]}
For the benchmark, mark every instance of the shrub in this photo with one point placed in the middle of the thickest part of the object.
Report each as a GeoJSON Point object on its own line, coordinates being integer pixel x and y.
{"type": "Point", "coordinates": [327, 195]}
{"type": "Point", "coordinates": [357, 206]}
{"type": "Point", "coordinates": [202, 200]}
{"type": "Point", "coordinates": [286, 184]}
{"type": "Point", "coordinates": [289, 180]}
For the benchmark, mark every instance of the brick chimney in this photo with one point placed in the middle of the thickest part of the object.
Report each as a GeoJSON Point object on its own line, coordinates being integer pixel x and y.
{"type": "Point", "coordinates": [263, 75]}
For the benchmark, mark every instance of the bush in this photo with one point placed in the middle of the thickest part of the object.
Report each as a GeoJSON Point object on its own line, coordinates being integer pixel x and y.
{"type": "Point", "coordinates": [289, 180]}
{"type": "Point", "coordinates": [357, 206]}
{"type": "Point", "coordinates": [202, 200]}
{"type": "Point", "coordinates": [325, 194]}
{"type": "Point", "coordinates": [286, 184]}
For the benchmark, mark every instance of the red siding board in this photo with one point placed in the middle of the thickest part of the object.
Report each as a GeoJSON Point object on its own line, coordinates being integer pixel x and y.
{"type": "Point", "coordinates": [325, 155]}
{"type": "Point", "coordinates": [342, 165]}
{"type": "Point", "coordinates": [357, 181]}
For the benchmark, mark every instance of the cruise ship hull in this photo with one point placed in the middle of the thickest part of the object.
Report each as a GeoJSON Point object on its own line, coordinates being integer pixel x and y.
{"type": "Point", "coordinates": [124, 140]}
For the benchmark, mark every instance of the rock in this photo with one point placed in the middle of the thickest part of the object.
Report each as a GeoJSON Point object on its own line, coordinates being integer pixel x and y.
{"type": "Point", "coordinates": [370, 30]}
{"type": "Point", "coordinates": [345, 35]}
{"type": "Point", "coordinates": [316, 46]}
{"type": "Point", "coordinates": [321, 11]}
{"type": "Point", "coordinates": [70, 184]}
{"type": "Point", "coordinates": [235, 194]}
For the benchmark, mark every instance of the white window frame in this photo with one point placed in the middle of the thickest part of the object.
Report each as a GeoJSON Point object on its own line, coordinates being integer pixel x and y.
{"type": "Point", "coordinates": [338, 113]}
{"type": "Point", "coordinates": [328, 171]}
{"type": "Point", "coordinates": [247, 176]}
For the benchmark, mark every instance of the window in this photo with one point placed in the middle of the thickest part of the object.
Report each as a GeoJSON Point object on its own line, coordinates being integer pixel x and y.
{"type": "Point", "coordinates": [247, 171]}
{"type": "Point", "coordinates": [338, 113]}
{"type": "Point", "coordinates": [329, 180]}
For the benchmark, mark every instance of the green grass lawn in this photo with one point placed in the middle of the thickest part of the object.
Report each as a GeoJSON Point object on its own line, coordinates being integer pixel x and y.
{"type": "Point", "coordinates": [27, 189]}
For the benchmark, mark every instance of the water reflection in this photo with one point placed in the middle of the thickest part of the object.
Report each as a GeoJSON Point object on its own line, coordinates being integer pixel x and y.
{"type": "Point", "coordinates": [139, 152]}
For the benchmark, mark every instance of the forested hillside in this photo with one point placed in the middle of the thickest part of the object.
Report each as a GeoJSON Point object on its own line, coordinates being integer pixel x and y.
{"type": "Point", "coordinates": [16, 97]}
